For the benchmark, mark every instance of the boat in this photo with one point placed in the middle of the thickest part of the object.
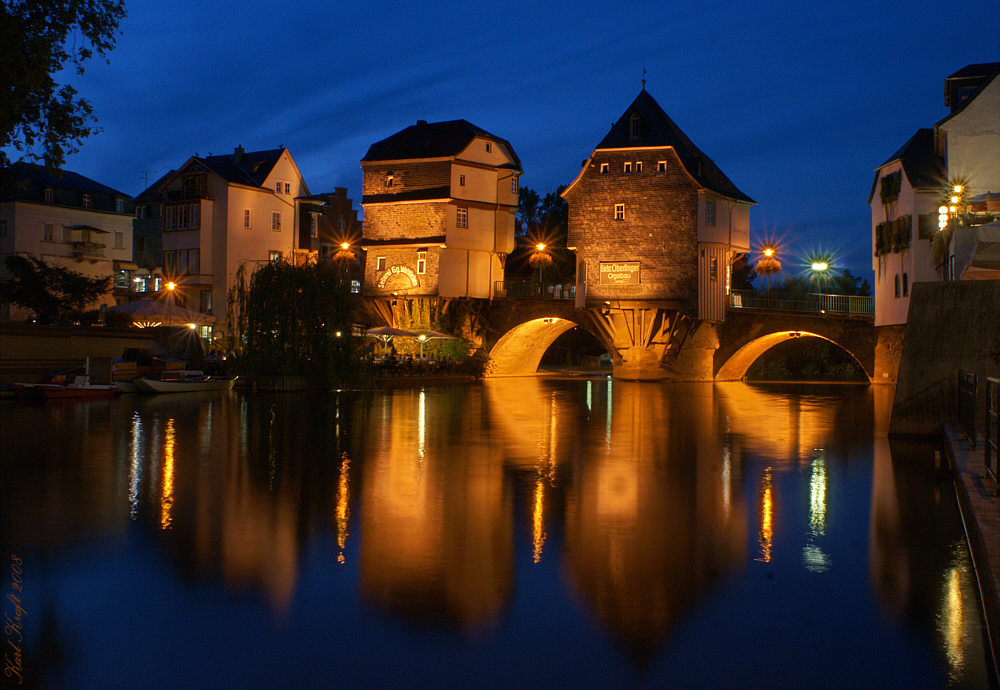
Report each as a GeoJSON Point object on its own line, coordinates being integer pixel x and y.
{"type": "Point", "coordinates": [80, 389]}
{"type": "Point", "coordinates": [184, 381]}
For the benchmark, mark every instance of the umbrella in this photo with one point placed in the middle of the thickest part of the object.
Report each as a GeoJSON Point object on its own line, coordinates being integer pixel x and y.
{"type": "Point", "coordinates": [389, 332]}
{"type": "Point", "coordinates": [435, 334]}
{"type": "Point", "coordinates": [157, 310]}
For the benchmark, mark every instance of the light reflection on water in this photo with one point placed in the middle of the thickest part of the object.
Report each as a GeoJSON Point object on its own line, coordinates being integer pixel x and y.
{"type": "Point", "coordinates": [624, 528]}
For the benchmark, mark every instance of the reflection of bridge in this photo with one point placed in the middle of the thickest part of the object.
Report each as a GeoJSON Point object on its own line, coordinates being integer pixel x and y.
{"type": "Point", "coordinates": [676, 346]}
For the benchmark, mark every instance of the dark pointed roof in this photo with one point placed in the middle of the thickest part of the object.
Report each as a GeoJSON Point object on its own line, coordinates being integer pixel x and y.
{"type": "Point", "coordinates": [249, 168]}
{"type": "Point", "coordinates": [981, 69]}
{"type": "Point", "coordinates": [657, 129]}
{"type": "Point", "coordinates": [39, 176]}
{"type": "Point", "coordinates": [432, 140]}
{"type": "Point", "coordinates": [923, 167]}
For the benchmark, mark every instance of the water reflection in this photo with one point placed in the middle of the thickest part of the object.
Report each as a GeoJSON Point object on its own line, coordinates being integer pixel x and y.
{"type": "Point", "coordinates": [642, 501]}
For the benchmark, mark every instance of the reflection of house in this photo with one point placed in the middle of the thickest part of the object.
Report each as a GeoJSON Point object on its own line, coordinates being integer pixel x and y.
{"type": "Point", "coordinates": [652, 217]}
{"type": "Point", "coordinates": [219, 212]}
{"type": "Point", "coordinates": [956, 165]}
{"type": "Point", "coordinates": [439, 204]}
{"type": "Point", "coordinates": [66, 219]}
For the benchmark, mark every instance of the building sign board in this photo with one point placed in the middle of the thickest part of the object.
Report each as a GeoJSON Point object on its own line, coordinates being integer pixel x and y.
{"type": "Point", "coordinates": [394, 270]}
{"type": "Point", "coordinates": [619, 273]}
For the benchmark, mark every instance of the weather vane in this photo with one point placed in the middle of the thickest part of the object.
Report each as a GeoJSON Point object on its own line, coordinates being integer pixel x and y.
{"type": "Point", "coordinates": [643, 78]}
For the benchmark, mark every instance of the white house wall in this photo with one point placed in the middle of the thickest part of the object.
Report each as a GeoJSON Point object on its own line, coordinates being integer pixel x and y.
{"type": "Point", "coordinates": [973, 140]}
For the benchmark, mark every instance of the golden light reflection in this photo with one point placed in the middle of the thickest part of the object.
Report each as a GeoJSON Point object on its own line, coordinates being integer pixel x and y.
{"type": "Point", "coordinates": [817, 497]}
{"type": "Point", "coordinates": [167, 499]}
{"type": "Point", "coordinates": [765, 534]}
{"type": "Point", "coordinates": [422, 424]}
{"type": "Point", "coordinates": [135, 469]}
{"type": "Point", "coordinates": [952, 621]}
{"type": "Point", "coordinates": [538, 520]}
{"type": "Point", "coordinates": [727, 479]}
{"type": "Point", "coordinates": [343, 505]}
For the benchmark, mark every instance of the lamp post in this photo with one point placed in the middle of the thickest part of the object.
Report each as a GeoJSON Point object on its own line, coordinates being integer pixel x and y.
{"type": "Point", "coordinates": [422, 338]}
{"type": "Point", "coordinates": [171, 286]}
{"type": "Point", "coordinates": [768, 265]}
{"type": "Point", "coordinates": [539, 259]}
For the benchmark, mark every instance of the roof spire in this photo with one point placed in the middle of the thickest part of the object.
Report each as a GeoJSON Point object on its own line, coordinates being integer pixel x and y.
{"type": "Point", "coordinates": [643, 78]}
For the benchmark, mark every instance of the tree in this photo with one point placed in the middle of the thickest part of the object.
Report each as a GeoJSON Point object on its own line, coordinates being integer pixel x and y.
{"type": "Point", "coordinates": [742, 274]}
{"type": "Point", "coordinates": [40, 38]}
{"type": "Point", "coordinates": [54, 293]}
{"type": "Point", "coordinates": [846, 283]}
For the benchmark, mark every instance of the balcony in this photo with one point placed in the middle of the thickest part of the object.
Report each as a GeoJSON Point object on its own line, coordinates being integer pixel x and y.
{"type": "Point", "coordinates": [88, 250]}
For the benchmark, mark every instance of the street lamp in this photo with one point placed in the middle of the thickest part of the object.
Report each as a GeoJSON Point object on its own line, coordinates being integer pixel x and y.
{"type": "Point", "coordinates": [422, 338]}
{"type": "Point", "coordinates": [768, 265]}
{"type": "Point", "coordinates": [171, 286]}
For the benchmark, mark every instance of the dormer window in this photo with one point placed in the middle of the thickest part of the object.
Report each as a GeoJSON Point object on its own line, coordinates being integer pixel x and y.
{"type": "Point", "coordinates": [634, 126]}
{"type": "Point", "coordinates": [85, 201]}
{"type": "Point", "coordinates": [119, 205]}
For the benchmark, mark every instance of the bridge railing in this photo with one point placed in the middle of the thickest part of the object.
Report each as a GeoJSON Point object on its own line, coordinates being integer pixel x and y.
{"type": "Point", "coordinates": [812, 303]}
{"type": "Point", "coordinates": [525, 289]}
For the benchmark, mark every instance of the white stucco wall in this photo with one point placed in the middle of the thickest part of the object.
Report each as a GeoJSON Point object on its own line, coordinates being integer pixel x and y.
{"type": "Point", "coordinates": [973, 142]}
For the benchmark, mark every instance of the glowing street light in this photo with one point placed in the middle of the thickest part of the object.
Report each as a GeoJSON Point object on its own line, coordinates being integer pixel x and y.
{"type": "Point", "coordinates": [422, 338]}
{"type": "Point", "coordinates": [171, 286]}
{"type": "Point", "coordinates": [820, 266]}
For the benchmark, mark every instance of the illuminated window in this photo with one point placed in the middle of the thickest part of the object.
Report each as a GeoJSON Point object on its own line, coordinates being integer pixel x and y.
{"type": "Point", "coordinates": [634, 126]}
{"type": "Point", "coordinates": [313, 225]}
{"type": "Point", "coordinates": [713, 269]}
{"type": "Point", "coordinates": [48, 231]}
{"type": "Point", "coordinates": [274, 256]}
{"type": "Point", "coordinates": [462, 217]}
{"type": "Point", "coordinates": [619, 211]}
{"type": "Point", "coordinates": [661, 166]}
{"type": "Point", "coordinates": [638, 166]}
{"type": "Point", "coordinates": [380, 264]}
{"type": "Point", "coordinates": [628, 166]}
{"type": "Point", "coordinates": [710, 213]}
{"type": "Point", "coordinates": [604, 168]}
{"type": "Point", "coordinates": [421, 262]}
{"type": "Point", "coordinates": [48, 195]}
{"type": "Point", "coordinates": [246, 219]}
{"type": "Point", "coordinates": [276, 221]}
{"type": "Point", "coordinates": [461, 180]}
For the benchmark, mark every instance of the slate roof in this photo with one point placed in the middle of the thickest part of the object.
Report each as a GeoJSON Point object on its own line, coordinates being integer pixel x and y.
{"type": "Point", "coordinates": [251, 169]}
{"type": "Point", "coordinates": [657, 129]}
{"type": "Point", "coordinates": [923, 167]}
{"type": "Point", "coordinates": [981, 69]}
{"type": "Point", "coordinates": [975, 94]}
{"type": "Point", "coordinates": [37, 176]}
{"type": "Point", "coordinates": [431, 140]}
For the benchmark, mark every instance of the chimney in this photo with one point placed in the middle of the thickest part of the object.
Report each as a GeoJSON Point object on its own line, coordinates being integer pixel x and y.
{"type": "Point", "coordinates": [421, 123]}
{"type": "Point", "coordinates": [238, 154]}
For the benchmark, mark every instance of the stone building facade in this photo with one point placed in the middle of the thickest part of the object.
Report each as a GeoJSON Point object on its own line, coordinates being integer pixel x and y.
{"type": "Point", "coordinates": [439, 201]}
{"type": "Point", "coordinates": [653, 218]}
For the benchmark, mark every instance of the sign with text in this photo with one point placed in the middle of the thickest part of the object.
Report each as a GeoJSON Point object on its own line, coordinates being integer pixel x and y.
{"type": "Point", "coordinates": [619, 273]}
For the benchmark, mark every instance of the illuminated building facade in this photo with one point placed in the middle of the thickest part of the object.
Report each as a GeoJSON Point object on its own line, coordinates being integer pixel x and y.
{"type": "Point", "coordinates": [439, 202]}
{"type": "Point", "coordinates": [651, 217]}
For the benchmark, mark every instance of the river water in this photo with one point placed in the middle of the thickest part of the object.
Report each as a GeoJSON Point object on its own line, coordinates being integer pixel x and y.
{"type": "Point", "coordinates": [516, 533]}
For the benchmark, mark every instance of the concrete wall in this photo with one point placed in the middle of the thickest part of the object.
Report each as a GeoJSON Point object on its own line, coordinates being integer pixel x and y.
{"type": "Point", "coordinates": [950, 326]}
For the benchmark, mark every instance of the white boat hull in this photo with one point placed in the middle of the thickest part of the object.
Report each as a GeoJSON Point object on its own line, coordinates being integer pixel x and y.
{"type": "Point", "coordinates": [145, 385]}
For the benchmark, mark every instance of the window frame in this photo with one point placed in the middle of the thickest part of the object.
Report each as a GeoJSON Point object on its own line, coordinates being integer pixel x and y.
{"type": "Point", "coordinates": [605, 168]}
{"type": "Point", "coordinates": [421, 262]}
{"type": "Point", "coordinates": [661, 166]}
{"type": "Point", "coordinates": [248, 219]}
{"type": "Point", "coordinates": [48, 231]}
{"type": "Point", "coordinates": [276, 221]}
{"type": "Point", "coordinates": [380, 263]}
{"type": "Point", "coordinates": [628, 167]}
{"type": "Point", "coordinates": [49, 195]}
{"type": "Point", "coordinates": [710, 213]}
{"type": "Point", "coordinates": [634, 126]}
{"type": "Point", "coordinates": [462, 217]}
{"type": "Point", "coordinates": [619, 211]}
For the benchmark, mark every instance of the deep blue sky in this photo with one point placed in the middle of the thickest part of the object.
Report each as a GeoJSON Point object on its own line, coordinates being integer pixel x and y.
{"type": "Point", "coordinates": [797, 103]}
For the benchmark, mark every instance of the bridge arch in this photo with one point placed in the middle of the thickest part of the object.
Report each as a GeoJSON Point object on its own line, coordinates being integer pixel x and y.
{"type": "Point", "coordinates": [745, 337]}
{"type": "Point", "coordinates": [519, 350]}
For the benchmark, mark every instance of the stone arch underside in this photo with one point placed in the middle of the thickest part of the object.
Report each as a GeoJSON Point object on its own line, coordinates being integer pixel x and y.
{"type": "Point", "coordinates": [519, 351]}
{"type": "Point", "coordinates": [735, 368]}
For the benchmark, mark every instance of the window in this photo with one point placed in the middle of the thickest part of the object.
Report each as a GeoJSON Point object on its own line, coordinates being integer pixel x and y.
{"type": "Point", "coordinates": [661, 166]}
{"type": "Point", "coordinates": [86, 201]}
{"type": "Point", "coordinates": [897, 285]}
{"type": "Point", "coordinates": [489, 147]}
{"type": "Point", "coordinates": [514, 185]}
{"type": "Point", "coordinates": [638, 166]}
{"type": "Point", "coordinates": [628, 166]}
{"type": "Point", "coordinates": [194, 261]}
{"type": "Point", "coordinates": [604, 168]}
{"type": "Point", "coordinates": [182, 217]}
{"type": "Point", "coordinates": [356, 286]}
{"type": "Point", "coordinates": [49, 195]}
{"type": "Point", "coordinates": [906, 285]}
{"type": "Point", "coordinates": [182, 260]}
{"type": "Point", "coordinates": [205, 304]}
{"type": "Point", "coordinates": [119, 205]}
{"type": "Point", "coordinates": [380, 264]}
{"type": "Point", "coordinates": [341, 225]}
{"type": "Point", "coordinates": [288, 188]}
{"type": "Point", "coordinates": [421, 261]}
{"type": "Point", "coordinates": [169, 258]}
{"type": "Point", "coordinates": [634, 126]}
{"type": "Point", "coordinates": [619, 211]}
{"type": "Point", "coordinates": [67, 234]}
{"type": "Point", "coordinates": [313, 225]}
{"type": "Point", "coordinates": [276, 221]}
{"type": "Point", "coordinates": [461, 180]}
{"type": "Point", "coordinates": [171, 218]}
{"type": "Point", "coordinates": [389, 179]}
{"type": "Point", "coordinates": [710, 213]}
{"type": "Point", "coordinates": [277, 187]}
{"type": "Point", "coordinates": [194, 216]}
{"type": "Point", "coordinates": [274, 256]}
{"type": "Point", "coordinates": [462, 217]}
{"type": "Point", "coordinates": [713, 269]}
{"type": "Point", "coordinates": [119, 240]}
{"type": "Point", "coordinates": [48, 231]}
{"type": "Point", "coordinates": [246, 219]}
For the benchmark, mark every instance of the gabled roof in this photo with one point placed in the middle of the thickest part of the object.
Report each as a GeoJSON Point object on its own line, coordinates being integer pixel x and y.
{"type": "Point", "coordinates": [981, 69]}
{"type": "Point", "coordinates": [23, 173]}
{"type": "Point", "coordinates": [249, 168]}
{"type": "Point", "coordinates": [657, 129]}
{"type": "Point", "coordinates": [923, 167]}
{"type": "Point", "coordinates": [975, 94]}
{"type": "Point", "coordinates": [432, 140]}
{"type": "Point", "coordinates": [151, 193]}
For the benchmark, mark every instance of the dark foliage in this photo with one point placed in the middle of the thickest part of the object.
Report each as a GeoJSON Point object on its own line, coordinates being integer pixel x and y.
{"type": "Point", "coordinates": [806, 359]}
{"type": "Point", "coordinates": [55, 294]}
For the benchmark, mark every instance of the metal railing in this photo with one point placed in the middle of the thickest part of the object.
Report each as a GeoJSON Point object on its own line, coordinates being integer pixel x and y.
{"type": "Point", "coordinates": [990, 452]}
{"type": "Point", "coordinates": [968, 384]}
{"type": "Point", "coordinates": [525, 289]}
{"type": "Point", "coordinates": [811, 303]}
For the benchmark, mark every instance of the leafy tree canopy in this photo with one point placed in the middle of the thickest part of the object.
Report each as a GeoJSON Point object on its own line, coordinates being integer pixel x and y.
{"type": "Point", "coordinates": [54, 293]}
{"type": "Point", "coordinates": [40, 118]}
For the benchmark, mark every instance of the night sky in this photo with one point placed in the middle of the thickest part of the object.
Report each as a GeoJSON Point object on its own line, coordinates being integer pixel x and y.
{"type": "Point", "coordinates": [797, 103]}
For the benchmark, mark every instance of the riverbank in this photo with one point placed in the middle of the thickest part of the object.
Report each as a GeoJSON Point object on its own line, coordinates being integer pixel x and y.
{"type": "Point", "coordinates": [980, 508]}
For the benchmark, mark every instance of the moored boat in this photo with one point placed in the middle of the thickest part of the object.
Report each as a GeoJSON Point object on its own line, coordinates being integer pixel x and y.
{"type": "Point", "coordinates": [186, 381]}
{"type": "Point", "coordinates": [80, 389]}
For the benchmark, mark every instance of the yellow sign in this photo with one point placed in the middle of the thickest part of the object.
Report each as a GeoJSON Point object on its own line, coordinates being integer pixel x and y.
{"type": "Point", "coordinates": [395, 270]}
{"type": "Point", "coordinates": [619, 273]}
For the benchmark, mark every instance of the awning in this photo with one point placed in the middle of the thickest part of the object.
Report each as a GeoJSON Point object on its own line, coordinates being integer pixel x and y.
{"type": "Point", "coordinates": [91, 228]}
{"type": "Point", "coordinates": [125, 266]}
